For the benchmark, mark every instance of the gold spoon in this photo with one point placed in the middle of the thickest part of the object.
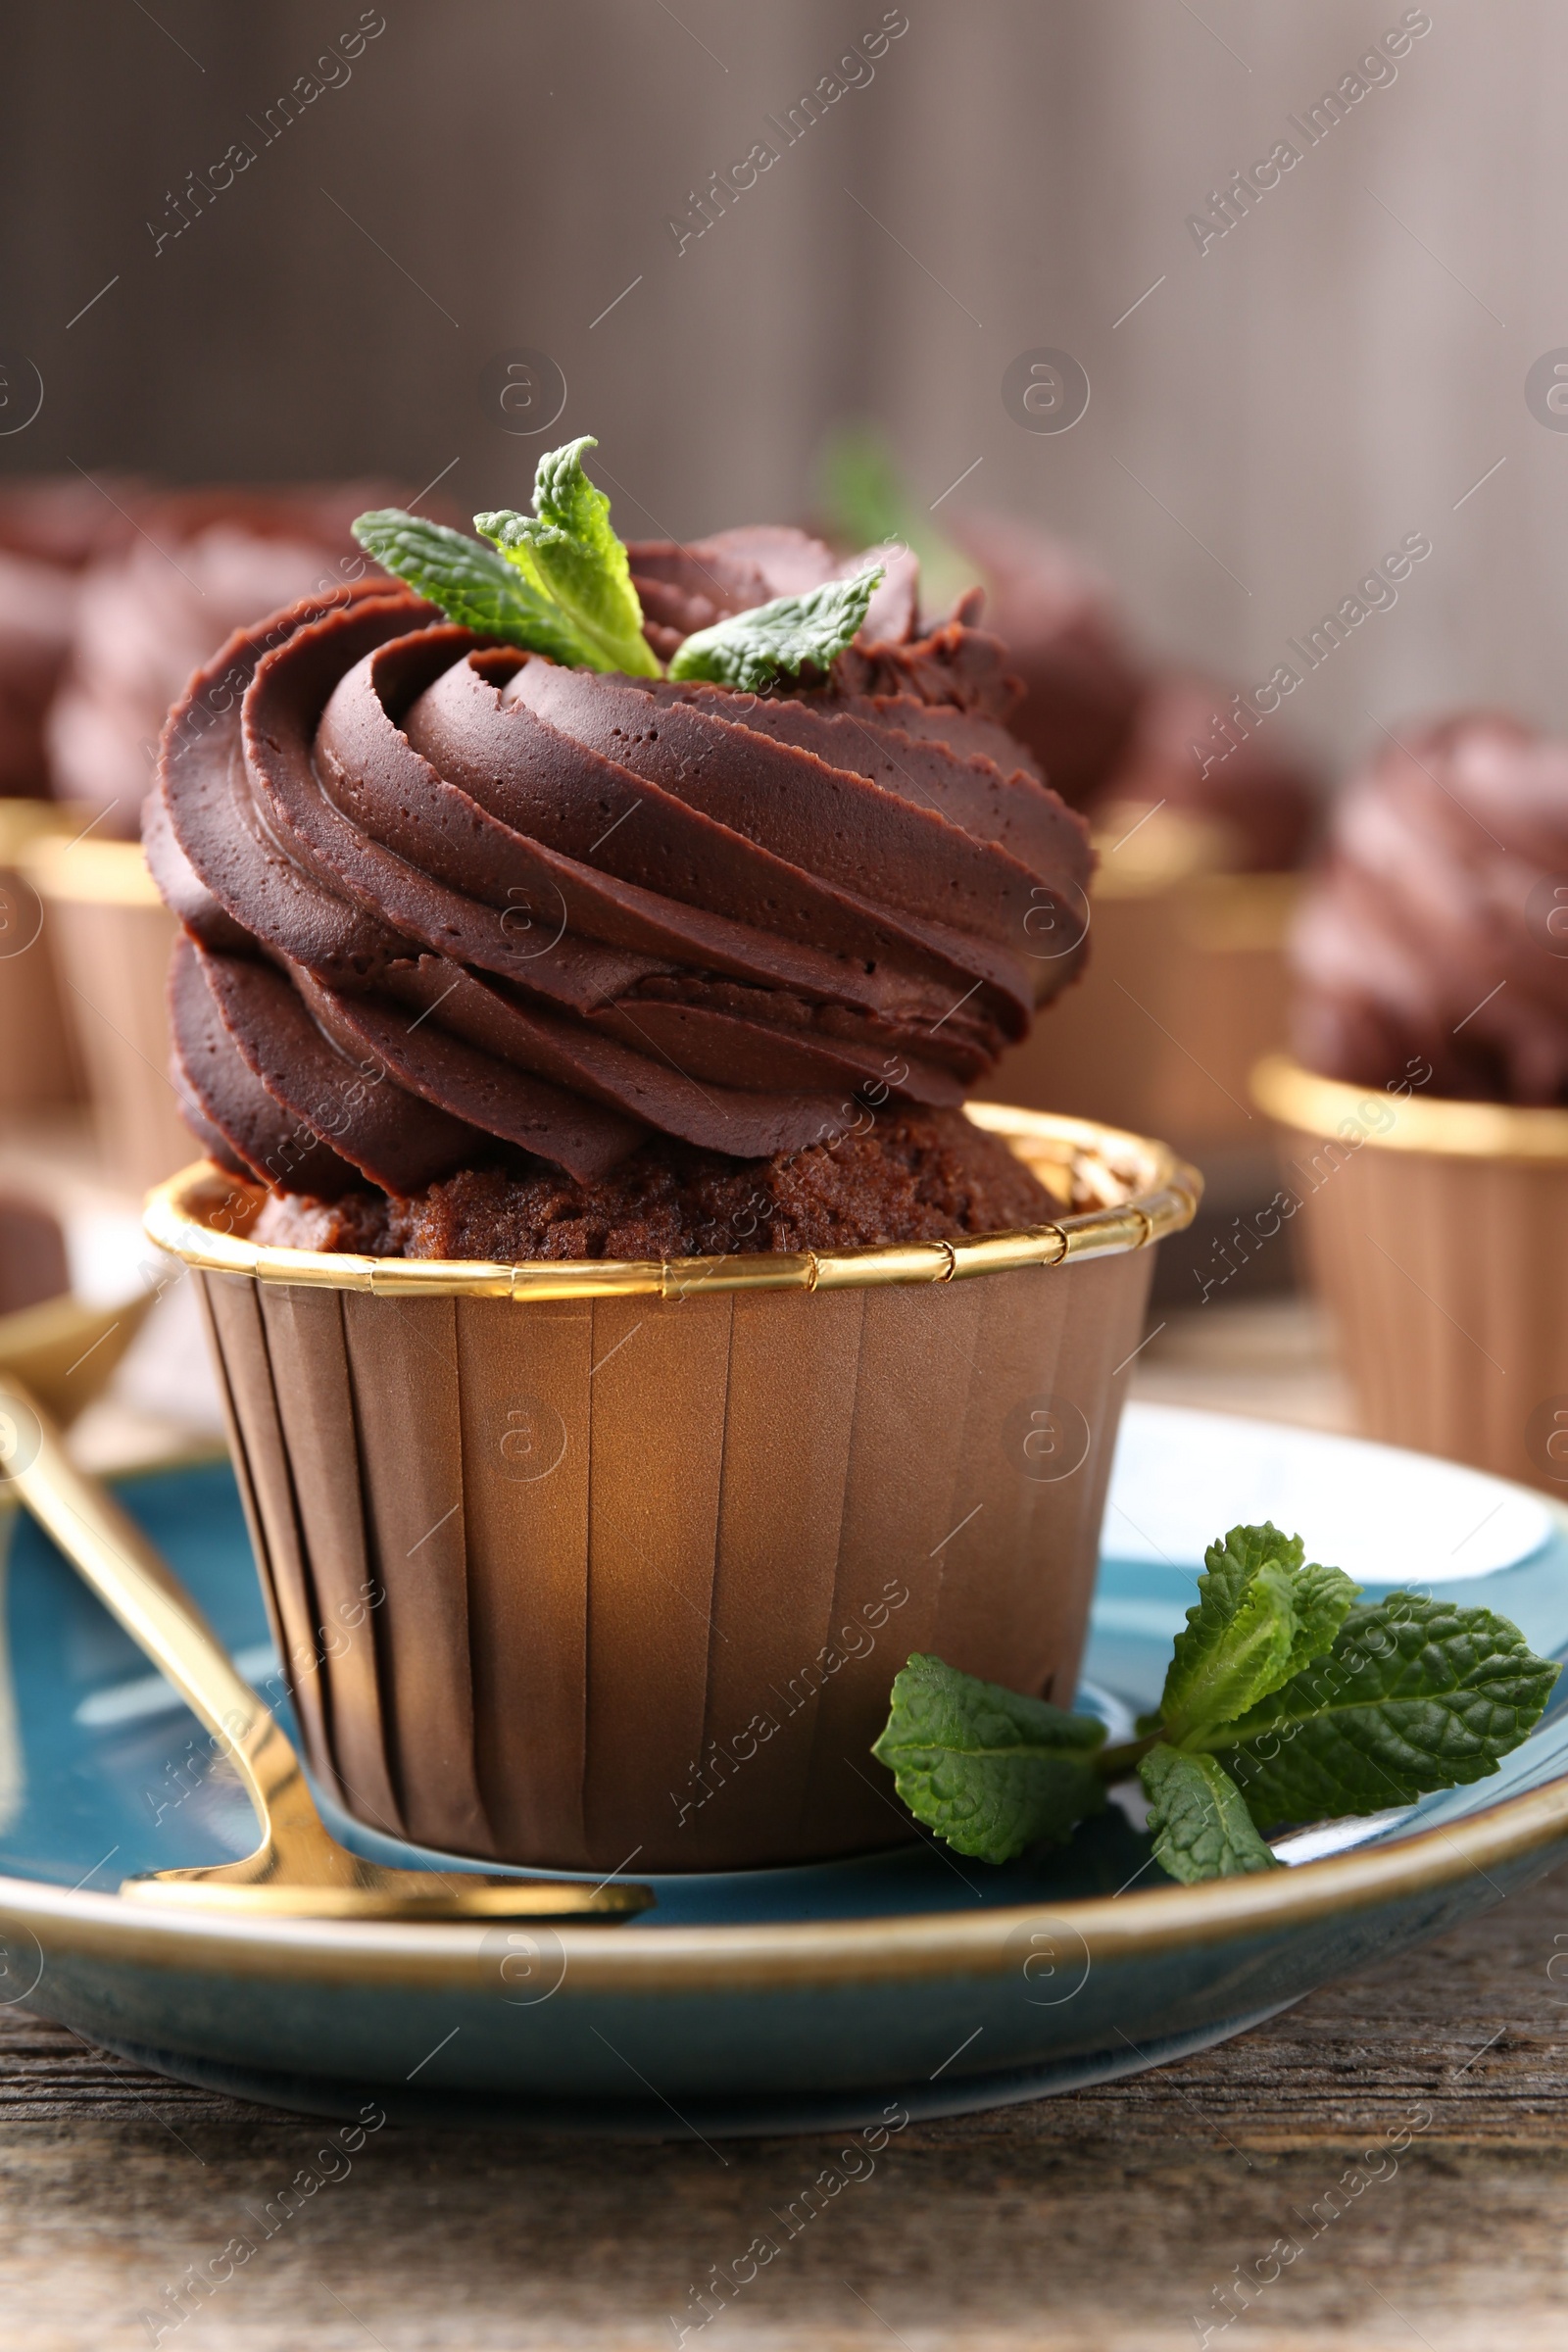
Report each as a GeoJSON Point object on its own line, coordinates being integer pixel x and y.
{"type": "Point", "coordinates": [297, 1871]}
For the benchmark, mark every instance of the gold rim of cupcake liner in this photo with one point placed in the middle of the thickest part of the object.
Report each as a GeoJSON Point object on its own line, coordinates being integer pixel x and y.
{"type": "Point", "coordinates": [1301, 1098]}
{"type": "Point", "coordinates": [25, 825]}
{"type": "Point", "coordinates": [91, 872]}
{"type": "Point", "coordinates": [1161, 1191]}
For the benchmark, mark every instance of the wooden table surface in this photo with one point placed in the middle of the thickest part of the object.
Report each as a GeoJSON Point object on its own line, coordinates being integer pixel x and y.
{"type": "Point", "coordinates": [1101, 2222]}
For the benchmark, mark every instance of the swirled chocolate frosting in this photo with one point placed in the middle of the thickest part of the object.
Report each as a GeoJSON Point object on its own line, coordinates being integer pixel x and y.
{"type": "Point", "coordinates": [442, 897]}
{"type": "Point", "coordinates": [1438, 930]}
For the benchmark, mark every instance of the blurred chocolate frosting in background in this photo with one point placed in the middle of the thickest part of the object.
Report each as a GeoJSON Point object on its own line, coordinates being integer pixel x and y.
{"type": "Point", "coordinates": [1056, 615]}
{"type": "Point", "coordinates": [1257, 797]}
{"type": "Point", "coordinates": [1438, 928]}
{"type": "Point", "coordinates": [1113, 732]}
{"type": "Point", "coordinates": [184, 572]}
{"type": "Point", "coordinates": [50, 527]}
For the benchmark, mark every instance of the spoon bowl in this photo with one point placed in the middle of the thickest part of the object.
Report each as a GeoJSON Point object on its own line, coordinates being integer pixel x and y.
{"type": "Point", "coordinates": [298, 1870]}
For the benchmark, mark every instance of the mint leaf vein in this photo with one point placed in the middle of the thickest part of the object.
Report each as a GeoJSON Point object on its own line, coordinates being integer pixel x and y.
{"type": "Point", "coordinates": [1415, 1694]}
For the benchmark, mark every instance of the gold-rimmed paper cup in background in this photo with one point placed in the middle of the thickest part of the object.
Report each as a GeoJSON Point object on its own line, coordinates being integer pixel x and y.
{"type": "Point", "coordinates": [1437, 1231]}
{"type": "Point", "coordinates": [611, 1563]}
{"type": "Point", "coordinates": [110, 935]}
{"type": "Point", "coordinates": [39, 1065]}
{"type": "Point", "coordinates": [1185, 990]}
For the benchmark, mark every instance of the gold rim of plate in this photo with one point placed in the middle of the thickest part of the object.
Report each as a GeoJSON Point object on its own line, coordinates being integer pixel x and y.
{"type": "Point", "coordinates": [1160, 1196]}
{"type": "Point", "coordinates": [804, 1955]}
{"type": "Point", "coordinates": [1311, 1105]}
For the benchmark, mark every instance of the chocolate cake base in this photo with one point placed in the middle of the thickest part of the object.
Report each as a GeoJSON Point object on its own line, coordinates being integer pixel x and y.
{"type": "Point", "coordinates": [912, 1176]}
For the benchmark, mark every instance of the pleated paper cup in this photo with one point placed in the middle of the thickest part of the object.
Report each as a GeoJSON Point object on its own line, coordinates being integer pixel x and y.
{"type": "Point", "coordinates": [611, 1563]}
{"type": "Point", "coordinates": [38, 1069]}
{"type": "Point", "coordinates": [1185, 990]}
{"type": "Point", "coordinates": [111, 937]}
{"type": "Point", "coordinates": [1437, 1233]}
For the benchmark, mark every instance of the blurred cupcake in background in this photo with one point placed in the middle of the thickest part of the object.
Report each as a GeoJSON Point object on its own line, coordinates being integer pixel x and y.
{"type": "Point", "coordinates": [1053, 609]}
{"type": "Point", "coordinates": [197, 565]}
{"type": "Point", "coordinates": [37, 616]}
{"type": "Point", "coordinates": [1199, 850]}
{"type": "Point", "coordinates": [66, 519]}
{"type": "Point", "coordinates": [1203, 810]}
{"type": "Point", "coordinates": [49, 529]}
{"type": "Point", "coordinates": [1426, 1105]}
{"type": "Point", "coordinates": [1054, 612]}
{"type": "Point", "coordinates": [37, 613]}
{"type": "Point", "coordinates": [1255, 798]}
{"type": "Point", "coordinates": [159, 596]}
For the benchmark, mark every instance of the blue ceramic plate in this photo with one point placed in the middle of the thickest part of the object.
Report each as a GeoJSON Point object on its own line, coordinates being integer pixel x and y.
{"type": "Point", "coordinates": [914, 1983]}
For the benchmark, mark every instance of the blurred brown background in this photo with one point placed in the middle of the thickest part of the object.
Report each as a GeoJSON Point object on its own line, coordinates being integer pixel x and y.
{"type": "Point", "coordinates": [303, 244]}
{"type": "Point", "coordinates": [1335, 371]}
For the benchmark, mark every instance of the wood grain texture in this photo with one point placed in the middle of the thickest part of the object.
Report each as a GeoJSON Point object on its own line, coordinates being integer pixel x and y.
{"type": "Point", "coordinates": [1101, 2222]}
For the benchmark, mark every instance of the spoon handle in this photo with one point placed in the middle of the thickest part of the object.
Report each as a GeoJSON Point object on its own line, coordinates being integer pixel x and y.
{"type": "Point", "coordinates": [110, 1552]}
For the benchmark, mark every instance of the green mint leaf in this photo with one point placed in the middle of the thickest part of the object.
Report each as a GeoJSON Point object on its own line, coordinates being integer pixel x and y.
{"type": "Point", "coordinates": [752, 651]}
{"type": "Point", "coordinates": [1239, 1637]}
{"type": "Point", "coordinates": [1230, 1663]}
{"type": "Point", "coordinates": [1414, 1694]}
{"type": "Point", "coordinates": [567, 553]}
{"type": "Point", "coordinates": [1322, 1598]}
{"type": "Point", "coordinates": [863, 493]}
{"type": "Point", "coordinates": [1198, 1819]}
{"type": "Point", "coordinates": [986, 1768]}
{"type": "Point", "coordinates": [471, 584]}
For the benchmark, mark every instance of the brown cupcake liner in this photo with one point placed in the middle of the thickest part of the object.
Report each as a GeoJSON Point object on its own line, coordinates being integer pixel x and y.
{"type": "Point", "coordinates": [622, 1578]}
{"type": "Point", "coordinates": [1437, 1231]}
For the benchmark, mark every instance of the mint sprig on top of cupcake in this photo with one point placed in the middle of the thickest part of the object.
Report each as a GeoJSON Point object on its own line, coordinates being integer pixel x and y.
{"type": "Point", "coordinates": [558, 582]}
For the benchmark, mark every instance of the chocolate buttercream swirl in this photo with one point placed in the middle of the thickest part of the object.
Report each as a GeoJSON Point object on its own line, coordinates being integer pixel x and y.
{"type": "Point", "coordinates": [1436, 932]}
{"type": "Point", "coordinates": [440, 895]}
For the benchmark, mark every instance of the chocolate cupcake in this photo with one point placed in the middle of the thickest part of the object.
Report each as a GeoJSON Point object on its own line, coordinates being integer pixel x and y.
{"type": "Point", "coordinates": [587, 1041]}
{"type": "Point", "coordinates": [66, 520]}
{"type": "Point", "coordinates": [1434, 931]}
{"type": "Point", "coordinates": [50, 529]}
{"type": "Point", "coordinates": [1428, 1101]}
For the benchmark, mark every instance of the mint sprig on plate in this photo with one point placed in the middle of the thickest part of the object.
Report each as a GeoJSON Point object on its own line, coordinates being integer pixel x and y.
{"type": "Point", "coordinates": [559, 583]}
{"type": "Point", "coordinates": [1286, 1701]}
